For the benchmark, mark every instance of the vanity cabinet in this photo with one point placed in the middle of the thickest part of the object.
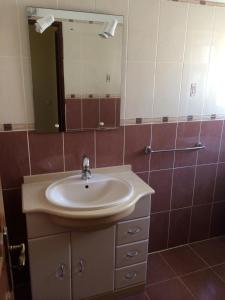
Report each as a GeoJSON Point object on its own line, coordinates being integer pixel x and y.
{"type": "Point", "coordinates": [93, 259]}
{"type": "Point", "coordinates": [71, 264]}
{"type": "Point", "coordinates": [50, 266]}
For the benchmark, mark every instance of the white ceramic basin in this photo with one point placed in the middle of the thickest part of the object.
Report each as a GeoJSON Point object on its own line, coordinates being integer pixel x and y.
{"type": "Point", "coordinates": [99, 192]}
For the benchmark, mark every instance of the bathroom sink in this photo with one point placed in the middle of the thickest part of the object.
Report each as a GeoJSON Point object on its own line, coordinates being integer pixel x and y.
{"type": "Point", "coordinates": [99, 192]}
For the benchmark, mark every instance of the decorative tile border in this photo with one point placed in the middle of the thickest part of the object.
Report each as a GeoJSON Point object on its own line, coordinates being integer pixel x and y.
{"type": "Point", "coordinates": [201, 2]}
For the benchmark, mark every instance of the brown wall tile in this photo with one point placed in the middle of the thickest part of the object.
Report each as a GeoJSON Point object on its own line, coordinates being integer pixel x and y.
{"type": "Point", "coordinates": [179, 227]}
{"type": "Point", "coordinates": [90, 109]}
{"type": "Point", "coordinates": [109, 147]}
{"type": "Point", "coordinates": [46, 152]}
{"type": "Point", "coordinates": [218, 219]}
{"type": "Point", "coordinates": [136, 139]}
{"type": "Point", "coordinates": [187, 136]}
{"type": "Point", "coordinates": [220, 183]}
{"type": "Point", "coordinates": [204, 184]}
{"type": "Point", "coordinates": [210, 137]}
{"type": "Point", "coordinates": [200, 222]}
{"type": "Point", "coordinates": [161, 182]}
{"type": "Point", "coordinates": [158, 234]}
{"type": "Point", "coordinates": [183, 186]}
{"type": "Point", "coordinates": [73, 114]}
{"type": "Point", "coordinates": [75, 146]}
{"type": "Point", "coordinates": [14, 160]}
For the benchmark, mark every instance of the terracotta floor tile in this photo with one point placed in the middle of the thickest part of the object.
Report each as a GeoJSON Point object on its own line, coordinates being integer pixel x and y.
{"type": "Point", "coordinates": [158, 269]}
{"type": "Point", "coordinates": [220, 270]}
{"type": "Point", "coordinates": [183, 260]}
{"type": "Point", "coordinates": [212, 251]}
{"type": "Point", "coordinates": [172, 289]}
{"type": "Point", "coordinates": [205, 285]}
{"type": "Point", "coordinates": [141, 296]}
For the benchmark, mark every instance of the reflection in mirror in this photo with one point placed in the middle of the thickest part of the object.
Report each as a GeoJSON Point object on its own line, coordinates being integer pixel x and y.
{"type": "Point", "coordinates": [76, 69]}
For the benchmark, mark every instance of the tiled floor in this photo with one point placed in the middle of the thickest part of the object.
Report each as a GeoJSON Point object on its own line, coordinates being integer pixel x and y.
{"type": "Point", "coordinates": [191, 272]}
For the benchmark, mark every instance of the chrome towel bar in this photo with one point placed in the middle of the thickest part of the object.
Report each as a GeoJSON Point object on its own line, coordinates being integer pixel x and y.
{"type": "Point", "coordinates": [198, 146]}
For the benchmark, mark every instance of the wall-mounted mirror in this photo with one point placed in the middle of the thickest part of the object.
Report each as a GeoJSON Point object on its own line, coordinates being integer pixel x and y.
{"type": "Point", "coordinates": [76, 69]}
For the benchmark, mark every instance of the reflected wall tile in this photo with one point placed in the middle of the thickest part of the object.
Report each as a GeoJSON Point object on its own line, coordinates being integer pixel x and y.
{"type": "Point", "coordinates": [46, 152]}
{"type": "Point", "coordinates": [158, 234]}
{"type": "Point", "coordinates": [12, 94]}
{"type": "Point", "coordinates": [137, 137]}
{"type": "Point", "coordinates": [161, 182]}
{"type": "Point", "coordinates": [140, 85]}
{"type": "Point", "coordinates": [108, 113]}
{"type": "Point", "coordinates": [187, 136]}
{"type": "Point", "coordinates": [172, 31]}
{"type": "Point", "coordinates": [179, 227]}
{"type": "Point", "coordinates": [199, 35]}
{"type": "Point", "coordinates": [183, 185]}
{"type": "Point", "coordinates": [143, 26]}
{"type": "Point", "coordinates": [109, 147]}
{"type": "Point", "coordinates": [90, 108]}
{"type": "Point", "coordinates": [73, 114]}
{"type": "Point", "coordinates": [218, 220]}
{"type": "Point", "coordinates": [204, 184]}
{"type": "Point", "coordinates": [9, 33]}
{"type": "Point", "coordinates": [191, 102]}
{"type": "Point", "coordinates": [75, 146]}
{"type": "Point", "coordinates": [14, 162]}
{"type": "Point", "coordinates": [210, 137]}
{"type": "Point", "coordinates": [200, 222]}
{"type": "Point", "coordinates": [220, 186]}
{"type": "Point", "coordinates": [167, 89]}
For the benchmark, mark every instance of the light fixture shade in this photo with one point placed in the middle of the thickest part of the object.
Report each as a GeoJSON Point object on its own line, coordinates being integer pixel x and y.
{"type": "Point", "coordinates": [109, 29]}
{"type": "Point", "coordinates": [42, 24]}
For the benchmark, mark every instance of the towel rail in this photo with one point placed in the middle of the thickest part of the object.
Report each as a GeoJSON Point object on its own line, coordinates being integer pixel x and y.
{"type": "Point", "coordinates": [198, 146]}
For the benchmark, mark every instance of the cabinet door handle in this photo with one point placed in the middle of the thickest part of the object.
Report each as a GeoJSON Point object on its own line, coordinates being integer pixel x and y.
{"type": "Point", "coordinates": [81, 266]}
{"type": "Point", "coordinates": [60, 272]}
{"type": "Point", "coordinates": [130, 276]}
{"type": "Point", "coordinates": [133, 253]}
{"type": "Point", "coordinates": [134, 230]}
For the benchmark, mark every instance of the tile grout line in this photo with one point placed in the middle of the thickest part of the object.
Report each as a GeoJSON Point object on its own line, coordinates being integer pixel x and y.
{"type": "Point", "coordinates": [28, 149]}
{"type": "Point", "coordinates": [186, 287]}
{"type": "Point", "coordinates": [95, 149]}
{"type": "Point", "coordinates": [198, 255]}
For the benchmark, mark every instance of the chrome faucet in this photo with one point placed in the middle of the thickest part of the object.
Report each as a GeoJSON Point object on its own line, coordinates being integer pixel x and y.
{"type": "Point", "coordinates": [86, 172]}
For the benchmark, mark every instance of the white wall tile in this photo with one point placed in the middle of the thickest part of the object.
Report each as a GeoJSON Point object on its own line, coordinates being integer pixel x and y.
{"type": "Point", "coordinates": [143, 27]}
{"type": "Point", "coordinates": [172, 31]}
{"type": "Point", "coordinates": [167, 89]}
{"type": "Point", "coordinates": [199, 34]}
{"type": "Point", "coordinates": [80, 5]}
{"type": "Point", "coordinates": [9, 33]}
{"type": "Point", "coordinates": [140, 84]}
{"type": "Point", "coordinates": [119, 7]}
{"type": "Point", "coordinates": [11, 91]}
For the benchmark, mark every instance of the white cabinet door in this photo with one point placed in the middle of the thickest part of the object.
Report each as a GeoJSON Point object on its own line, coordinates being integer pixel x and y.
{"type": "Point", "coordinates": [93, 260]}
{"type": "Point", "coordinates": [50, 261]}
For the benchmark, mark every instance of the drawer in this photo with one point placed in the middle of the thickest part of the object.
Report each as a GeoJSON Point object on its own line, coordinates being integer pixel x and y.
{"type": "Point", "coordinates": [128, 276]}
{"type": "Point", "coordinates": [132, 231]}
{"type": "Point", "coordinates": [142, 209]}
{"type": "Point", "coordinates": [131, 254]}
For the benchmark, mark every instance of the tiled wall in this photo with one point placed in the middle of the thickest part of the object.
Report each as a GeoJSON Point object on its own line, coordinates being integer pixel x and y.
{"type": "Point", "coordinates": [190, 197]}
{"type": "Point", "coordinates": [189, 203]}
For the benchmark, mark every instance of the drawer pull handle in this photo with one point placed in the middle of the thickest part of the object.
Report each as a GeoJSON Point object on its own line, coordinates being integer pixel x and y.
{"type": "Point", "coordinates": [131, 254]}
{"type": "Point", "coordinates": [60, 272]}
{"type": "Point", "coordinates": [130, 276]}
{"type": "Point", "coordinates": [81, 266]}
{"type": "Point", "coordinates": [134, 230]}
